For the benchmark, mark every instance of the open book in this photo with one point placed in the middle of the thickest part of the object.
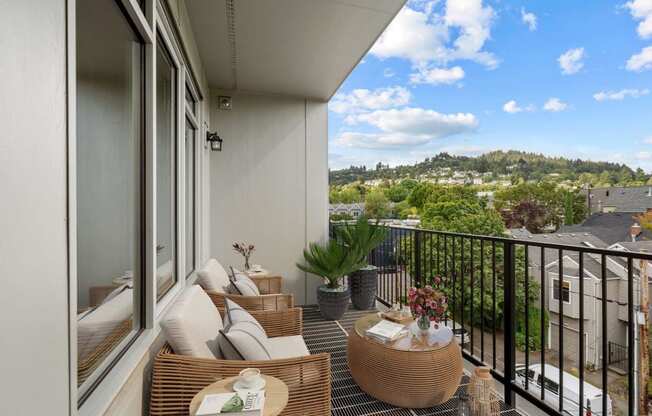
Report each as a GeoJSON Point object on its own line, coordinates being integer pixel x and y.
{"type": "Point", "coordinates": [245, 403]}
{"type": "Point", "coordinates": [386, 331]}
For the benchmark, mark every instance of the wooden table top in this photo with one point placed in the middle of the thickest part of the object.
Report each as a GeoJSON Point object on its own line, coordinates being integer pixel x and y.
{"type": "Point", "coordinates": [276, 394]}
{"type": "Point", "coordinates": [412, 341]}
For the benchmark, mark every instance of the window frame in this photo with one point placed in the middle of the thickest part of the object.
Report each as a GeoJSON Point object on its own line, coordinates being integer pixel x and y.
{"type": "Point", "coordinates": [148, 22]}
{"type": "Point", "coordinates": [556, 295]}
{"type": "Point", "coordinates": [191, 119]}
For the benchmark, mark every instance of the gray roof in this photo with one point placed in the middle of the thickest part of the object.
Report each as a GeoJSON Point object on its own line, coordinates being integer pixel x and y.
{"type": "Point", "coordinates": [612, 227]}
{"type": "Point", "coordinates": [622, 199]}
{"type": "Point", "coordinates": [592, 263]}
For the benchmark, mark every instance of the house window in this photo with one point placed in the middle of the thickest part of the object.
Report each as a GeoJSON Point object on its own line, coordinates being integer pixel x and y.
{"type": "Point", "coordinates": [565, 292]}
{"type": "Point", "coordinates": [166, 170]}
{"type": "Point", "coordinates": [109, 187]}
{"type": "Point", "coordinates": [190, 178]}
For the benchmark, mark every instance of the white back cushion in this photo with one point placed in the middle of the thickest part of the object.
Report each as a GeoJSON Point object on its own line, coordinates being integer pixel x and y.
{"type": "Point", "coordinates": [192, 325]}
{"type": "Point", "coordinates": [235, 314]}
{"type": "Point", "coordinates": [213, 277]}
{"type": "Point", "coordinates": [247, 342]}
{"type": "Point", "coordinates": [95, 325]}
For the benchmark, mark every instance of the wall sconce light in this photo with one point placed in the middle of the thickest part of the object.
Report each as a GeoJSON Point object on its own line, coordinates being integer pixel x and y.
{"type": "Point", "coordinates": [224, 102]}
{"type": "Point", "coordinates": [214, 140]}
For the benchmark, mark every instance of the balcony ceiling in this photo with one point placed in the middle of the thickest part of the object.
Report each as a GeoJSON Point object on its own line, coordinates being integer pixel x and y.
{"type": "Point", "coordinates": [293, 47]}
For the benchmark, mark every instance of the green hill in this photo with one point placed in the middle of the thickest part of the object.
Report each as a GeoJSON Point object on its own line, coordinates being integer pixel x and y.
{"type": "Point", "coordinates": [528, 166]}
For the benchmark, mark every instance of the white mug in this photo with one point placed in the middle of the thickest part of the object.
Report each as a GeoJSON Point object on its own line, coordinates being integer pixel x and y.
{"type": "Point", "coordinates": [249, 377]}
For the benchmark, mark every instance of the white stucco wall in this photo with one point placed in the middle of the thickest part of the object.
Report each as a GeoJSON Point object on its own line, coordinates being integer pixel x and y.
{"type": "Point", "coordinates": [269, 185]}
{"type": "Point", "coordinates": [34, 360]}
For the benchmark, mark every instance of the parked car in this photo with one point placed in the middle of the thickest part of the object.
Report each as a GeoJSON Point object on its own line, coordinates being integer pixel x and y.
{"type": "Point", "coordinates": [592, 394]}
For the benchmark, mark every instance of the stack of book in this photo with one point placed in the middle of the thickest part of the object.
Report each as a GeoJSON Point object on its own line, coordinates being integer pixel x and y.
{"type": "Point", "coordinates": [386, 331]}
{"type": "Point", "coordinates": [245, 403]}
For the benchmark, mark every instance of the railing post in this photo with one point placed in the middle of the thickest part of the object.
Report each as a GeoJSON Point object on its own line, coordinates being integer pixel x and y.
{"type": "Point", "coordinates": [509, 319]}
{"type": "Point", "coordinates": [417, 258]}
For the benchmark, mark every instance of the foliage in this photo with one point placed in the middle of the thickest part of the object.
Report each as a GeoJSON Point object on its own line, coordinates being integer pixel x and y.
{"type": "Point", "coordinates": [345, 195]}
{"type": "Point", "coordinates": [554, 200]}
{"type": "Point", "coordinates": [332, 261]}
{"type": "Point", "coordinates": [361, 237]}
{"type": "Point", "coordinates": [462, 216]}
{"type": "Point", "coordinates": [645, 220]}
{"type": "Point", "coordinates": [534, 328]}
{"type": "Point", "coordinates": [342, 216]}
{"type": "Point", "coordinates": [377, 205]}
{"type": "Point", "coordinates": [520, 165]}
{"type": "Point", "coordinates": [526, 214]}
{"type": "Point", "coordinates": [426, 192]}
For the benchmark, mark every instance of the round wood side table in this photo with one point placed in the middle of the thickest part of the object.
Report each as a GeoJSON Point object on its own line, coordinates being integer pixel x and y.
{"type": "Point", "coordinates": [276, 394]}
{"type": "Point", "coordinates": [405, 373]}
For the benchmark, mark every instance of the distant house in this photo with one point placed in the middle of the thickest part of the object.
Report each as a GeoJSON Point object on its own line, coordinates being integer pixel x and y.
{"type": "Point", "coordinates": [619, 199]}
{"type": "Point", "coordinates": [611, 227]}
{"type": "Point", "coordinates": [566, 291]}
{"type": "Point", "coordinates": [354, 210]}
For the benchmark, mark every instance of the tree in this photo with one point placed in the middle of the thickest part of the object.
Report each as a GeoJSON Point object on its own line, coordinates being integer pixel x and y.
{"type": "Point", "coordinates": [526, 214]}
{"type": "Point", "coordinates": [376, 205]}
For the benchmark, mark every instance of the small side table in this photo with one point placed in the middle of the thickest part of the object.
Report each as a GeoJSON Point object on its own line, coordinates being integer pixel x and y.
{"type": "Point", "coordinates": [276, 394]}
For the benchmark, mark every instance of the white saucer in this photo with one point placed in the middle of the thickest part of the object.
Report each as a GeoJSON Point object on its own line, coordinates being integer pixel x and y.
{"type": "Point", "coordinates": [238, 385]}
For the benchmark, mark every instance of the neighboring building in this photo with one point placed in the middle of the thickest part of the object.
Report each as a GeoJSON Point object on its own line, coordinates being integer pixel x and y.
{"type": "Point", "coordinates": [568, 290]}
{"type": "Point", "coordinates": [354, 210]}
{"type": "Point", "coordinates": [619, 199]}
{"type": "Point", "coordinates": [611, 227]}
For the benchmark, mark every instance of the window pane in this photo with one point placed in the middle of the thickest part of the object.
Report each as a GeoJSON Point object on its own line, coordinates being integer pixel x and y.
{"type": "Point", "coordinates": [109, 163]}
{"type": "Point", "coordinates": [190, 102]}
{"type": "Point", "coordinates": [190, 198]}
{"type": "Point", "coordinates": [166, 172]}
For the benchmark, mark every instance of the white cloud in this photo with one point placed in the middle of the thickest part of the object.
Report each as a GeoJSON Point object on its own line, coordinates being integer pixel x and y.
{"type": "Point", "coordinates": [511, 107]}
{"type": "Point", "coordinates": [436, 76]}
{"type": "Point", "coordinates": [570, 61]}
{"type": "Point", "coordinates": [530, 19]}
{"type": "Point", "coordinates": [642, 10]}
{"type": "Point", "coordinates": [388, 73]}
{"type": "Point", "coordinates": [425, 36]}
{"type": "Point", "coordinates": [406, 127]}
{"type": "Point", "coordinates": [620, 95]}
{"type": "Point", "coordinates": [641, 61]}
{"type": "Point", "coordinates": [643, 155]}
{"type": "Point", "coordinates": [361, 100]}
{"type": "Point", "coordinates": [555, 105]}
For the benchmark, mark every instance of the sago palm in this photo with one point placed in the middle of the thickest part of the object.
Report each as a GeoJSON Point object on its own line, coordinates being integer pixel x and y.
{"type": "Point", "coordinates": [332, 261]}
{"type": "Point", "coordinates": [363, 236]}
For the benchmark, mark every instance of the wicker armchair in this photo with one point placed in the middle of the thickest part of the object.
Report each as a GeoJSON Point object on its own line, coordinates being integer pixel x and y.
{"type": "Point", "coordinates": [271, 298]}
{"type": "Point", "coordinates": [177, 378]}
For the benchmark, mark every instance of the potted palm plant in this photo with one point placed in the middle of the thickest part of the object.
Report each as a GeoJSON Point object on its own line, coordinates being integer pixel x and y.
{"type": "Point", "coordinates": [362, 237]}
{"type": "Point", "coordinates": [331, 261]}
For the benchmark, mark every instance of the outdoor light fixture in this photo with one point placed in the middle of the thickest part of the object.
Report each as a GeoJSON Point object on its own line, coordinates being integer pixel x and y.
{"type": "Point", "coordinates": [214, 140]}
{"type": "Point", "coordinates": [224, 102]}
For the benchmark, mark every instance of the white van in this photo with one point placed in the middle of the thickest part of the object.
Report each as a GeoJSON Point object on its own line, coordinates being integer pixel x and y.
{"type": "Point", "coordinates": [592, 394]}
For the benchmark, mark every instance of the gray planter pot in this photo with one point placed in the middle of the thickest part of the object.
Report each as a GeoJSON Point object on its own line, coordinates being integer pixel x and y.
{"type": "Point", "coordinates": [364, 287]}
{"type": "Point", "coordinates": [333, 303]}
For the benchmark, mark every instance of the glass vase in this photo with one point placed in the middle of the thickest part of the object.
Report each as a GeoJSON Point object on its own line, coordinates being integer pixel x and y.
{"type": "Point", "coordinates": [423, 322]}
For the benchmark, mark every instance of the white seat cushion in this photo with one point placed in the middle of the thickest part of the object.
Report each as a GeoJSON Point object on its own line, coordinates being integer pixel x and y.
{"type": "Point", "coordinates": [213, 277]}
{"type": "Point", "coordinates": [234, 314]}
{"type": "Point", "coordinates": [287, 347]}
{"type": "Point", "coordinates": [96, 325]}
{"type": "Point", "coordinates": [242, 341]}
{"type": "Point", "coordinates": [192, 325]}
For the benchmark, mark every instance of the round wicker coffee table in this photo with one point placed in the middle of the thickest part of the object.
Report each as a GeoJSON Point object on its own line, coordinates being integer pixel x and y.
{"type": "Point", "coordinates": [276, 394]}
{"type": "Point", "coordinates": [408, 372]}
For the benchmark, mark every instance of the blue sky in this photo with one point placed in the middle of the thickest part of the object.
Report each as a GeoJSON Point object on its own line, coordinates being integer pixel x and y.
{"type": "Point", "coordinates": [561, 77]}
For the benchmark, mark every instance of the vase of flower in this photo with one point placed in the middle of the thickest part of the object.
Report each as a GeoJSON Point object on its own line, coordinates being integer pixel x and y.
{"type": "Point", "coordinates": [427, 306]}
{"type": "Point", "coordinates": [245, 251]}
{"type": "Point", "coordinates": [423, 323]}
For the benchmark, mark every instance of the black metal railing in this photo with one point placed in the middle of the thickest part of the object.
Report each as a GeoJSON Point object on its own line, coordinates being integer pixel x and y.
{"type": "Point", "coordinates": [531, 332]}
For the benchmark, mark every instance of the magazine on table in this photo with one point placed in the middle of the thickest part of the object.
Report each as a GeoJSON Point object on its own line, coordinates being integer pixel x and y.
{"type": "Point", "coordinates": [387, 331]}
{"type": "Point", "coordinates": [244, 403]}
